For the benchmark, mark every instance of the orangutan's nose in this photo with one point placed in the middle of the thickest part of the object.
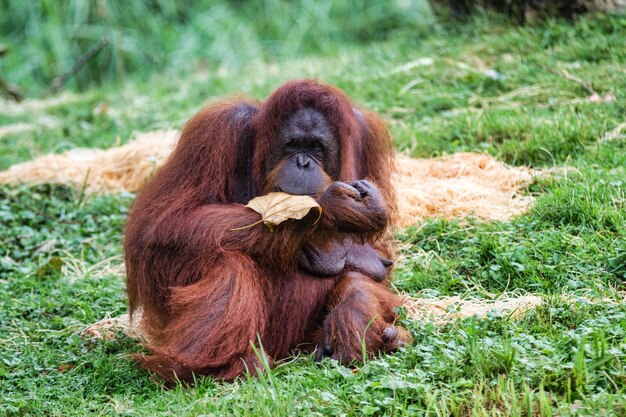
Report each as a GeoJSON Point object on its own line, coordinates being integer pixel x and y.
{"type": "Point", "coordinates": [303, 161]}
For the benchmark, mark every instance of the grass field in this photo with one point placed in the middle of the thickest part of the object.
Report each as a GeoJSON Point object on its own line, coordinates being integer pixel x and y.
{"type": "Point", "coordinates": [521, 94]}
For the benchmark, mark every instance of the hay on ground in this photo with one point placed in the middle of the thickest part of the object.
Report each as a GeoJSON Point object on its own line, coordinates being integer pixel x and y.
{"type": "Point", "coordinates": [16, 128]}
{"type": "Point", "coordinates": [108, 327]}
{"type": "Point", "coordinates": [41, 122]}
{"type": "Point", "coordinates": [121, 168]}
{"type": "Point", "coordinates": [31, 105]}
{"type": "Point", "coordinates": [460, 185]}
{"type": "Point", "coordinates": [447, 309]}
{"type": "Point", "coordinates": [454, 186]}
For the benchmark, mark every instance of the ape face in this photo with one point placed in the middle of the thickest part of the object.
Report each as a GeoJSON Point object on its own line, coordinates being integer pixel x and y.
{"type": "Point", "coordinates": [305, 156]}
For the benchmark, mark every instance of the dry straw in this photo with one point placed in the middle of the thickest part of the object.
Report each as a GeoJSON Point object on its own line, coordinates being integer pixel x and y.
{"type": "Point", "coordinates": [120, 168]}
{"type": "Point", "coordinates": [458, 186]}
{"type": "Point", "coordinates": [454, 186]}
{"type": "Point", "coordinates": [447, 309]}
{"type": "Point", "coordinates": [108, 327]}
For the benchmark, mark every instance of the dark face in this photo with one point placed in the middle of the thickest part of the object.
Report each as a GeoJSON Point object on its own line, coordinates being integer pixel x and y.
{"type": "Point", "coordinates": [305, 158]}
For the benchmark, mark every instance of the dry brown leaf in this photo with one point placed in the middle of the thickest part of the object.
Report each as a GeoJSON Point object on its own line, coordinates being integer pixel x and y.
{"type": "Point", "coordinates": [275, 208]}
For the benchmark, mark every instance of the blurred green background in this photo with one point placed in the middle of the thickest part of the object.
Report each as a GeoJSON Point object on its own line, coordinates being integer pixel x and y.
{"type": "Point", "coordinates": [45, 38]}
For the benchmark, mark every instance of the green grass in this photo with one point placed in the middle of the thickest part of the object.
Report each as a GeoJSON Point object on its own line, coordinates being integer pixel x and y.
{"type": "Point", "coordinates": [60, 250]}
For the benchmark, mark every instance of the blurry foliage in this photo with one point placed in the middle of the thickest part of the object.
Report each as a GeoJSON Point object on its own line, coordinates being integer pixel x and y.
{"type": "Point", "coordinates": [47, 36]}
{"type": "Point", "coordinates": [525, 10]}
